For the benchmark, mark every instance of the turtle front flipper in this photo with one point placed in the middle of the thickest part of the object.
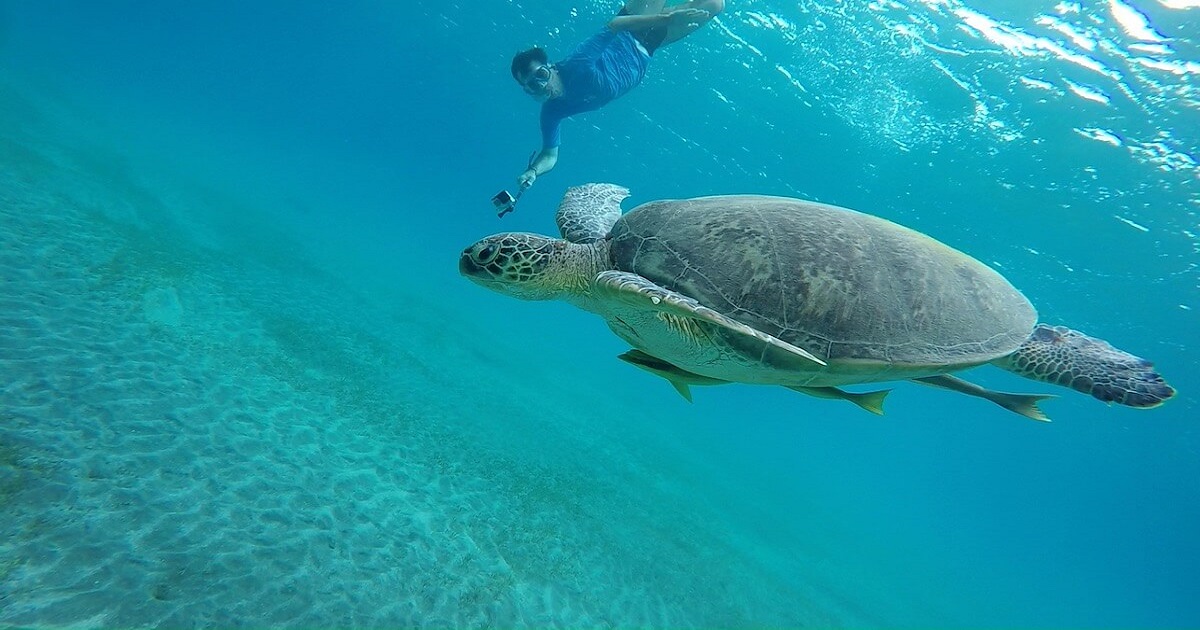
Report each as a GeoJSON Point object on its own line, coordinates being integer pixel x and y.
{"type": "Point", "coordinates": [1059, 355]}
{"type": "Point", "coordinates": [586, 213]}
{"type": "Point", "coordinates": [637, 292]}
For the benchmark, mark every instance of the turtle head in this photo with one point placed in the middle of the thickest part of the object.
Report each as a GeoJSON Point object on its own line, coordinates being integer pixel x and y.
{"type": "Point", "coordinates": [525, 266]}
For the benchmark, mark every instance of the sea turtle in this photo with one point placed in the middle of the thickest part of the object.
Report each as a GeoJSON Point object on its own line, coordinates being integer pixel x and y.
{"type": "Point", "coordinates": [780, 291]}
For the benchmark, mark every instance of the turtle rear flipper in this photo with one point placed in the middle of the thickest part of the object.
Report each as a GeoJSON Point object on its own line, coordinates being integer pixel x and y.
{"type": "Point", "coordinates": [1059, 355]}
{"type": "Point", "coordinates": [636, 291]}
{"type": "Point", "coordinates": [678, 377]}
{"type": "Point", "coordinates": [1023, 404]}
{"type": "Point", "coordinates": [869, 401]}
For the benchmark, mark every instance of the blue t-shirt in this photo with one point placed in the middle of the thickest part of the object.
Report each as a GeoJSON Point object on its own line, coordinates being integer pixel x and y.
{"type": "Point", "coordinates": [602, 68]}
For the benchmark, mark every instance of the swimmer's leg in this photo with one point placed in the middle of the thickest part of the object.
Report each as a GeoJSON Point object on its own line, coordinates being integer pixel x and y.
{"type": "Point", "coordinates": [679, 29]}
{"type": "Point", "coordinates": [643, 7]}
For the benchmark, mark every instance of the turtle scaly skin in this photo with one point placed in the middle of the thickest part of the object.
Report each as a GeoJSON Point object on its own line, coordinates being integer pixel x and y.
{"type": "Point", "coordinates": [1059, 355]}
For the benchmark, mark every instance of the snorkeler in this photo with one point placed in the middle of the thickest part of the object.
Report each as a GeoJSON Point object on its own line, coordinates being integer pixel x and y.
{"type": "Point", "coordinates": [602, 68]}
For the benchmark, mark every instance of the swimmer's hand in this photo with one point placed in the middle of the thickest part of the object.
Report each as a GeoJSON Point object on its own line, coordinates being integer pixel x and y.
{"type": "Point", "coordinates": [526, 179]}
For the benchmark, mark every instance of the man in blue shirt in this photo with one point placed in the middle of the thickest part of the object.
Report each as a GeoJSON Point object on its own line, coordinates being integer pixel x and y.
{"type": "Point", "coordinates": [602, 68]}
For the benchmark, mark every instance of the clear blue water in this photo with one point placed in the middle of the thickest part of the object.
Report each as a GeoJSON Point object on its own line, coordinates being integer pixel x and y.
{"type": "Point", "coordinates": [244, 384]}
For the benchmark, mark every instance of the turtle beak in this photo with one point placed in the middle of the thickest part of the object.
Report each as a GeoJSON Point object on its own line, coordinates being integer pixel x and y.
{"type": "Point", "coordinates": [510, 263]}
{"type": "Point", "coordinates": [467, 265]}
{"type": "Point", "coordinates": [480, 261]}
{"type": "Point", "coordinates": [475, 270]}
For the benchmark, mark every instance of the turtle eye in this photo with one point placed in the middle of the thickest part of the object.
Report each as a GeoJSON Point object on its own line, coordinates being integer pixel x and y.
{"type": "Point", "coordinates": [487, 254]}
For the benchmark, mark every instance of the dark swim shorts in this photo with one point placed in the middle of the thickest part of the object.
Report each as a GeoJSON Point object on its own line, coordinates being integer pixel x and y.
{"type": "Point", "coordinates": [650, 38]}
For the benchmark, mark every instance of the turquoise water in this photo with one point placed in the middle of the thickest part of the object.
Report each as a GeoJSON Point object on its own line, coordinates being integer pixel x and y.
{"type": "Point", "coordinates": [243, 384]}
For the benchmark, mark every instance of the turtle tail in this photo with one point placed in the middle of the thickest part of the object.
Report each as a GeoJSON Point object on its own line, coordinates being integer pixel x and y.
{"type": "Point", "coordinates": [1059, 355]}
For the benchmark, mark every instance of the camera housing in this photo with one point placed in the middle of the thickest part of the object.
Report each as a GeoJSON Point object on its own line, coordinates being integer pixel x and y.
{"type": "Point", "coordinates": [504, 202]}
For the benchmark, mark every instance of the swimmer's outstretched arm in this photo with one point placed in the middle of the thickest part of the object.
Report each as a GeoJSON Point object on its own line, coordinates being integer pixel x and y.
{"type": "Point", "coordinates": [540, 165]}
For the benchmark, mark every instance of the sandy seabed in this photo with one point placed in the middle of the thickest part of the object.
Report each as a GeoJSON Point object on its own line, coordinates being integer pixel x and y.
{"type": "Point", "coordinates": [198, 428]}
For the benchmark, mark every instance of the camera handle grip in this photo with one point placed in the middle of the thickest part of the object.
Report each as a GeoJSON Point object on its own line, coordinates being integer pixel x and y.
{"type": "Point", "coordinates": [511, 205]}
